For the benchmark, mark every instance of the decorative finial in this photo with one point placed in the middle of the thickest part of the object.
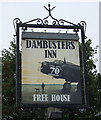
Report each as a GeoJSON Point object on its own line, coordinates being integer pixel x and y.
{"type": "Point", "coordinates": [49, 9]}
{"type": "Point", "coordinates": [49, 5]}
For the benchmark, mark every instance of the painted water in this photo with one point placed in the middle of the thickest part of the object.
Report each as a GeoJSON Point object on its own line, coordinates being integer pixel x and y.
{"type": "Point", "coordinates": [30, 90]}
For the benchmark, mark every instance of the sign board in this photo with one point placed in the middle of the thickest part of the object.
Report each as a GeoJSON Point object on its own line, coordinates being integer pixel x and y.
{"type": "Point", "coordinates": [50, 69]}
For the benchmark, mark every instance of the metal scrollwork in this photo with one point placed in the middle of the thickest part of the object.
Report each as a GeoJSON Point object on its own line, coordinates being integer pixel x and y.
{"type": "Point", "coordinates": [62, 21]}
{"type": "Point", "coordinates": [39, 21]}
{"type": "Point", "coordinates": [55, 21]}
{"type": "Point", "coordinates": [45, 22]}
{"type": "Point", "coordinates": [16, 21]}
{"type": "Point", "coordinates": [83, 23]}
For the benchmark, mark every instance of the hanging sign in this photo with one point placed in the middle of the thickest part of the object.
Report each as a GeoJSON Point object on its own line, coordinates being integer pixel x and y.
{"type": "Point", "coordinates": [50, 73]}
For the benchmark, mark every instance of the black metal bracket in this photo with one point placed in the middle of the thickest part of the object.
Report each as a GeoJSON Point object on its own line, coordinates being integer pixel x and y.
{"type": "Point", "coordinates": [44, 23]}
{"type": "Point", "coordinates": [55, 22]}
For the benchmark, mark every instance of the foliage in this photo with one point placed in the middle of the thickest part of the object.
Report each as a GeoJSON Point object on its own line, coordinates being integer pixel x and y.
{"type": "Point", "coordinates": [10, 111]}
{"type": "Point", "coordinates": [94, 89]}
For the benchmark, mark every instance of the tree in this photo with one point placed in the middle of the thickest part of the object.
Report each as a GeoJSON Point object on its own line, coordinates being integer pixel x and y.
{"type": "Point", "coordinates": [10, 111]}
{"type": "Point", "coordinates": [94, 89]}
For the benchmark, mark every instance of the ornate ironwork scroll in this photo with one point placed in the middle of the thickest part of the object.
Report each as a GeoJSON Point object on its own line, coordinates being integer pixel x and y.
{"type": "Point", "coordinates": [44, 21]}
{"type": "Point", "coordinates": [83, 23]}
{"type": "Point", "coordinates": [16, 21]}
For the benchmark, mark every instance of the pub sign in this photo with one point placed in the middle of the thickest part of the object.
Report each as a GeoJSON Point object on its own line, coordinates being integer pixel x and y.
{"type": "Point", "coordinates": [50, 69]}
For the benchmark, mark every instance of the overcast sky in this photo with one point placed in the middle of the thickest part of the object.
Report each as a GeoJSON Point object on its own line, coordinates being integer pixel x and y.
{"type": "Point", "coordinates": [71, 11]}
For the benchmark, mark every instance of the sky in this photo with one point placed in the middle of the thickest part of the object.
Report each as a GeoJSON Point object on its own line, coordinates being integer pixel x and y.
{"type": "Point", "coordinates": [73, 11]}
{"type": "Point", "coordinates": [33, 57]}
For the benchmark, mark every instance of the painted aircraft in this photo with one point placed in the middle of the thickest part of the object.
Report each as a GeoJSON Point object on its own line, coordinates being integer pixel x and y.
{"type": "Point", "coordinates": [61, 69]}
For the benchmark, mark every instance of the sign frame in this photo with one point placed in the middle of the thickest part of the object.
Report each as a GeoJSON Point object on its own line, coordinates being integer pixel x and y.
{"type": "Point", "coordinates": [18, 65]}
